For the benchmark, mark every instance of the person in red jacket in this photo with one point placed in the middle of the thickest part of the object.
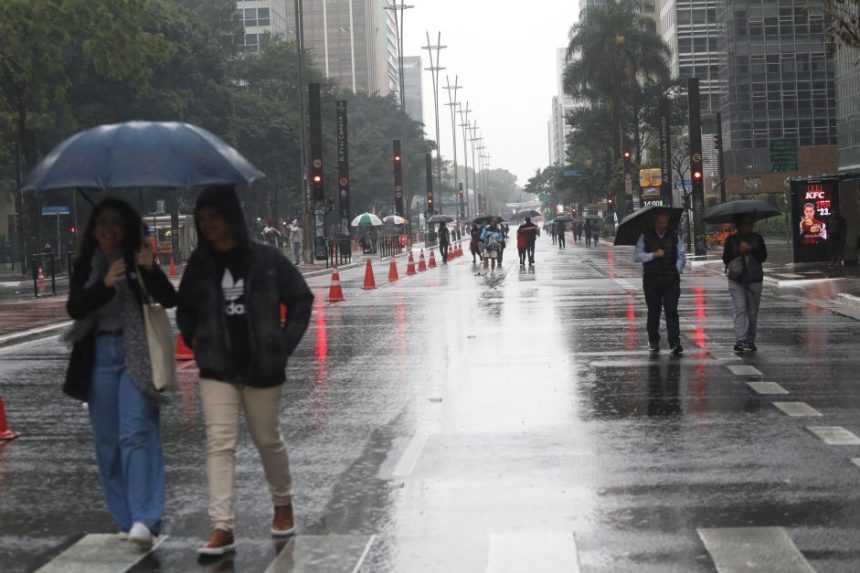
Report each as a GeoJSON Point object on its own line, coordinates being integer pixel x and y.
{"type": "Point", "coordinates": [521, 246]}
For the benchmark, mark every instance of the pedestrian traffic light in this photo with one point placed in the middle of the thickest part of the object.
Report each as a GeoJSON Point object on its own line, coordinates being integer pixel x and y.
{"type": "Point", "coordinates": [697, 175]}
{"type": "Point", "coordinates": [626, 155]}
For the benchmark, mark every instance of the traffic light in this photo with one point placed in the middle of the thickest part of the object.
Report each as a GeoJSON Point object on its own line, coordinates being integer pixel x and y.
{"type": "Point", "coordinates": [609, 202]}
{"type": "Point", "coordinates": [697, 174]}
{"type": "Point", "coordinates": [72, 230]}
{"type": "Point", "coordinates": [316, 146]}
{"type": "Point", "coordinates": [626, 155]}
{"type": "Point", "coordinates": [397, 159]}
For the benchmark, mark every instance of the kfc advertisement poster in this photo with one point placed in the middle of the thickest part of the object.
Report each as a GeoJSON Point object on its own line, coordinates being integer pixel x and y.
{"type": "Point", "coordinates": [813, 203]}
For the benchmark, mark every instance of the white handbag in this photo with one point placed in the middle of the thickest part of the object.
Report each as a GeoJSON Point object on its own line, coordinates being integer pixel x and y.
{"type": "Point", "coordinates": [159, 341]}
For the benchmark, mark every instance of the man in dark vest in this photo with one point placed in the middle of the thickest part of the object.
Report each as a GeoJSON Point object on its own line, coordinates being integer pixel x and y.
{"type": "Point", "coordinates": [662, 255]}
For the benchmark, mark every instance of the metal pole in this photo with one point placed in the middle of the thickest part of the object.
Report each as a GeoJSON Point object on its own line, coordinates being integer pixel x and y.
{"type": "Point", "coordinates": [721, 167]}
{"type": "Point", "coordinates": [434, 70]}
{"type": "Point", "coordinates": [303, 186]}
{"type": "Point", "coordinates": [452, 103]}
{"type": "Point", "coordinates": [464, 118]}
{"type": "Point", "coordinates": [325, 36]}
{"type": "Point", "coordinates": [352, 44]}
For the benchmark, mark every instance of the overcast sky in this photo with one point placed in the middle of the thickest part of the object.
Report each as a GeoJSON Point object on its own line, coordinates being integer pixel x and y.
{"type": "Point", "coordinates": [504, 55]}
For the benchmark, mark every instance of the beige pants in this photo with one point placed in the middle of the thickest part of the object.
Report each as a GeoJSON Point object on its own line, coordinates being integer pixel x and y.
{"type": "Point", "coordinates": [221, 405]}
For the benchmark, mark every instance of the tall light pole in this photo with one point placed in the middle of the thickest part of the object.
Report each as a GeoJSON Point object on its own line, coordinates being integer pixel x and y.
{"type": "Point", "coordinates": [303, 159]}
{"type": "Point", "coordinates": [487, 189]}
{"type": "Point", "coordinates": [434, 70]}
{"type": "Point", "coordinates": [452, 103]}
{"type": "Point", "coordinates": [475, 141]}
{"type": "Point", "coordinates": [464, 119]}
{"type": "Point", "coordinates": [398, 9]}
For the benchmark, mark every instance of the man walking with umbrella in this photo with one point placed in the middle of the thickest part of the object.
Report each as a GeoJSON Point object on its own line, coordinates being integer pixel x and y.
{"type": "Point", "coordinates": [661, 252]}
{"type": "Point", "coordinates": [531, 232]}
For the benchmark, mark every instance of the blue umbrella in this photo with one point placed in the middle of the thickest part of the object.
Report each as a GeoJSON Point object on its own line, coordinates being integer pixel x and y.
{"type": "Point", "coordinates": [141, 154]}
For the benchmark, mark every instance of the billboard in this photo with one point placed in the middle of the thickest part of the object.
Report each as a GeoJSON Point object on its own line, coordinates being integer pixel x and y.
{"type": "Point", "coordinates": [812, 205]}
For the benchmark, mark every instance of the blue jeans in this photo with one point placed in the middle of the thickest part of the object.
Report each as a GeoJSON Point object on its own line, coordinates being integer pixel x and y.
{"type": "Point", "coordinates": [127, 440]}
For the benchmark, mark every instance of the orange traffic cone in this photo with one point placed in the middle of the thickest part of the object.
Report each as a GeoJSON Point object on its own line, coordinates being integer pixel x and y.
{"type": "Point", "coordinates": [432, 263]}
{"type": "Point", "coordinates": [5, 433]}
{"type": "Point", "coordinates": [335, 292]}
{"type": "Point", "coordinates": [182, 350]}
{"type": "Point", "coordinates": [172, 273]}
{"type": "Point", "coordinates": [369, 280]}
{"type": "Point", "coordinates": [392, 271]}
{"type": "Point", "coordinates": [40, 280]}
{"type": "Point", "coordinates": [410, 266]}
{"type": "Point", "coordinates": [422, 265]}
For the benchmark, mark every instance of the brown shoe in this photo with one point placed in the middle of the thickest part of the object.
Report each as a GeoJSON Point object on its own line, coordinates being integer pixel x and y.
{"type": "Point", "coordinates": [283, 523]}
{"type": "Point", "coordinates": [220, 542]}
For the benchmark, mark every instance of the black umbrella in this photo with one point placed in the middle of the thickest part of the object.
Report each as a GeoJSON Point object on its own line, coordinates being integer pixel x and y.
{"type": "Point", "coordinates": [642, 220]}
{"type": "Point", "coordinates": [485, 219]}
{"type": "Point", "coordinates": [141, 154]}
{"type": "Point", "coordinates": [440, 219]}
{"type": "Point", "coordinates": [727, 212]}
{"type": "Point", "coordinates": [526, 213]}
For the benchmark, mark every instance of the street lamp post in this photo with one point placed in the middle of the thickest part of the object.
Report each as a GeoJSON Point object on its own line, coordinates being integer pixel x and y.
{"type": "Point", "coordinates": [434, 70]}
{"type": "Point", "coordinates": [452, 103]}
{"type": "Point", "coordinates": [398, 10]}
{"type": "Point", "coordinates": [474, 140]}
{"type": "Point", "coordinates": [464, 118]}
{"type": "Point", "coordinates": [303, 161]}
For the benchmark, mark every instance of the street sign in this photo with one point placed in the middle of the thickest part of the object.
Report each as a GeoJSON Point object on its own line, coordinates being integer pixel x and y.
{"type": "Point", "coordinates": [783, 155]}
{"type": "Point", "coordinates": [56, 210]}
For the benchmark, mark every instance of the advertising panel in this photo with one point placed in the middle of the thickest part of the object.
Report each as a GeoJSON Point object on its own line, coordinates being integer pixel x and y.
{"type": "Point", "coordinates": [812, 205]}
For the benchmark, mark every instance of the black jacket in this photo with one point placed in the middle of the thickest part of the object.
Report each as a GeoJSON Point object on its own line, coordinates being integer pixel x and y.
{"type": "Point", "coordinates": [270, 280]}
{"type": "Point", "coordinates": [84, 301]}
{"type": "Point", "coordinates": [758, 252]}
{"type": "Point", "coordinates": [663, 270]}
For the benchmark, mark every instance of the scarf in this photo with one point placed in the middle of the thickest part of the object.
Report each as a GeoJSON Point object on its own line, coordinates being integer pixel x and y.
{"type": "Point", "coordinates": [134, 331]}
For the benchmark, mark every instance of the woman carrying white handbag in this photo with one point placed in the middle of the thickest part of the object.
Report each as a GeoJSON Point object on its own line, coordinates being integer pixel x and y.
{"type": "Point", "coordinates": [113, 292]}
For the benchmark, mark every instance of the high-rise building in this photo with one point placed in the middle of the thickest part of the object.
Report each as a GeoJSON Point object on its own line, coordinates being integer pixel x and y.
{"type": "Point", "coordinates": [562, 104]}
{"type": "Point", "coordinates": [848, 108]}
{"type": "Point", "coordinates": [262, 18]}
{"type": "Point", "coordinates": [352, 42]}
{"type": "Point", "coordinates": [412, 72]}
{"type": "Point", "coordinates": [779, 92]}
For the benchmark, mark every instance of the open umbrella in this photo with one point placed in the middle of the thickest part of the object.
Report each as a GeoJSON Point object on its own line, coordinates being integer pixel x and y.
{"type": "Point", "coordinates": [141, 154]}
{"type": "Point", "coordinates": [440, 219]}
{"type": "Point", "coordinates": [394, 220]}
{"type": "Point", "coordinates": [727, 212]}
{"type": "Point", "coordinates": [520, 215]}
{"type": "Point", "coordinates": [642, 220]}
{"type": "Point", "coordinates": [366, 220]}
{"type": "Point", "coordinates": [485, 219]}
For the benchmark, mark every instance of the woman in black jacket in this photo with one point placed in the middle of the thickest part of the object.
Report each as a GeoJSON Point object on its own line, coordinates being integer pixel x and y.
{"type": "Point", "coordinates": [229, 313]}
{"type": "Point", "coordinates": [109, 367]}
{"type": "Point", "coordinates": [743, 256]}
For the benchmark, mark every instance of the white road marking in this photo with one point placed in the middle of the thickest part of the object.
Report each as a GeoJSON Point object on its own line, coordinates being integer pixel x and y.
{"type": "Point", "coordinates": [322, 554]}
{"type": "Point", "coordinates": [797, 409]}
{"type": "Point", "coordinates": [789, 276]}
{"type": "Point", "coordinates": [410, 456]}
{"type": "Point", "coordinates": [767, 388]}
{"type": "Point", "coordinates": [855, 461]}
{"type": "Point", "coordinates": [759, 549]}
{"type": "Point", "coordinates": [544, 551]}
{"type": "Point", "coordinates": [835, 435]}
{"type": "Point", "coordinates": [99, 553]}
{"type": "Point", "coordinates": [743, 370]}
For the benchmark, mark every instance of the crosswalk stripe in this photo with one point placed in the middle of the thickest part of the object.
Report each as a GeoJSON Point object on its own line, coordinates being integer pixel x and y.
{"type": "Point", "coordinates": [797, 409]}
{"type": "Point", "coordinates": [835, 435]}
{"type": "Point", "coordinates": [323, 554]}
{"type": "Point", "coordinates": [760, 549]}
{"type": "Point", "coordinates": [99, 553]}
{"type": "Point", "coordinates": [544, 551]}
{"type": "Point", "coordinates": [767, 388]}
{"type": "Point", "coordinates": [410, 456]}
{"type": "Point", "coordinates": [743, 370]}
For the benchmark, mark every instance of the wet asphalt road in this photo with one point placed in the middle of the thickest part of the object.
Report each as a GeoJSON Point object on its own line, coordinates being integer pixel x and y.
{"type": "Point", "coordinates": [455, 423]}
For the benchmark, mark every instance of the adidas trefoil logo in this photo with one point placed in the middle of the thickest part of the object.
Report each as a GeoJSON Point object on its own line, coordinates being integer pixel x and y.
{"type": "Point", "coordinates": [233, 290]}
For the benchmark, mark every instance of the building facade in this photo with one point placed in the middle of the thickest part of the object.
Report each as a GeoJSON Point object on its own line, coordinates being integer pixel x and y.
{"type": "Point", "coordinates": [413, 87]}
{"type": "Point", "coordinates": [562, 104]}
{"type": "Point", "coordinates": [848, 108]}
{"type": "Point", "coordinates": [779, 89]}
{"type": "Point", "coordinates": [352, 42]}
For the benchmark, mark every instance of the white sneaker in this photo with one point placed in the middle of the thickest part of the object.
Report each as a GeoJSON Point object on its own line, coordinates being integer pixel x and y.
{"type": "Point", "coordinates": [140, 534]}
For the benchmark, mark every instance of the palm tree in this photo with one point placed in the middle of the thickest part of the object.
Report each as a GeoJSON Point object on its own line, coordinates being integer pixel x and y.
{"type": "Point", "coordinates": [614, 59]}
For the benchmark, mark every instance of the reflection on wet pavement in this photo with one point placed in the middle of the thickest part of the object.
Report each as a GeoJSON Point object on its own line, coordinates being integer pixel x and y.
{"type": "Point", "coordinates": [452, 422]}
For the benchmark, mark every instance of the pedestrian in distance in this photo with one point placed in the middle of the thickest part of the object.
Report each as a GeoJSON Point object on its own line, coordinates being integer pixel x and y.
{"type": "Point", "coordinates": [837, 235]}
{"type": "Point", "coordinates": [475, 243]}
{"type": "Point", "coordinates": [503, 243]}
{"type": "Point", "coordinates": [531, 232]}
{"type": "Point", "coordinates": [296, 241]}
{"type": "Point", "coordinates": [595, 233]}
{"type": "Point", "coordinates": [521, 246]}
{"type": "Point", "coordinates": [588, 231]}
{"type": "Point", "coordinates": [444, 241]}
{"type": "Point", "coordinates": [270, 234]}
{"type": "Point", "coordinates": [663, 258]}
{"type": "Point", "coordinates": [229, 314]}
{"type": "Point", "coordinates": [491, 237]}
{"type": "Point", "coordinates": [553, 229]}
{"type": "Point", "coordinates": [559, 231]}
{"type": "Point", "coordinates": [110, 368]}
{"type": "Point", "coordinates": [743, 254]}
